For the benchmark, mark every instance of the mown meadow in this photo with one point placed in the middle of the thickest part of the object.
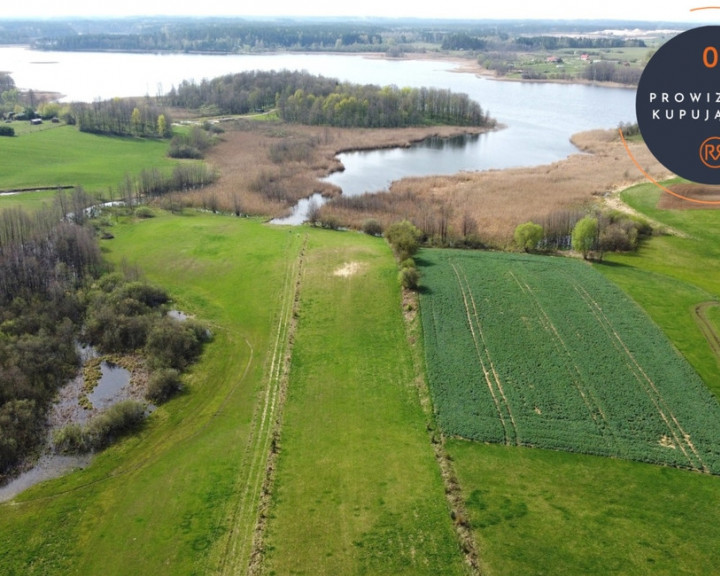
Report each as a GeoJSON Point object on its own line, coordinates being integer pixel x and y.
{"type": "Point", "coordinates": [357, 486]}
{"type": "Point", "coordinates": [60, 155]}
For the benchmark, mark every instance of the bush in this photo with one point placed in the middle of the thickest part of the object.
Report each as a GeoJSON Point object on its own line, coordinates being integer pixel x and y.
{"type": "Point", "coordinates": [528, 235]}
{"type": "Point", "coordinates": [118, 420]}
{"type": "Point", "coordinates": [71, 439]}
{"type": "Point", "coordinates": [584, 235]}
{"type": "Point", "coordinates": [410, 278]}
{"type": "Point", "coordinates": [144, 212]}
{"type": "Point", "coordinates": [184, 151]}
{"type": "Point", "coordinates": [7, 131]}
{"type": "Point", "coordinates": [173, 344]}
{"type": "Point", "coordinates": [372, 227]}
{"type": "Point", "coordinates": [404, 238]}
{"type": "Point", "coordinates": [162, 385]}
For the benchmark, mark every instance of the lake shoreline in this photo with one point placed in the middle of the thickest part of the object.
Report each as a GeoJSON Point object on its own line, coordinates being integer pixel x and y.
{"type": "Point", "coordinates": [465, 65]}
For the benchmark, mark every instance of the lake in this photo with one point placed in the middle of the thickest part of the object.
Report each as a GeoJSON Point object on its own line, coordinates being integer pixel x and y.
{"type": "Point", "coordinates": [539, 117]}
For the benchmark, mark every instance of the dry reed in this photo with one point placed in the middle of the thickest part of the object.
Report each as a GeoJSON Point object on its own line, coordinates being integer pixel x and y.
{"type": "Point", "coordinates": [255, 178]}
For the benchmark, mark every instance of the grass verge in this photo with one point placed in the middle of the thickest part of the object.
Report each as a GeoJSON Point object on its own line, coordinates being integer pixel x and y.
{"type": "Point", "coordinates": [537, 512]}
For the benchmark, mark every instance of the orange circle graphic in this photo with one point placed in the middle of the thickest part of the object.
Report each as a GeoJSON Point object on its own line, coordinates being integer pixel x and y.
{"type": "Point", "coordinates": [710, 152]}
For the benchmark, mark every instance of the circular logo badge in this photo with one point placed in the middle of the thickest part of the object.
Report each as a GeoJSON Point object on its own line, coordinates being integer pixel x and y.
{"type": "Point", "coordinates": [678, 105]}
{"type": "Point", "coordinates": [710, 152]}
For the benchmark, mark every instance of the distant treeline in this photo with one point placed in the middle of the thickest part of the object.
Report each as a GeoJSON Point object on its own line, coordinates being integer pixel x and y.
{"type": "Point", "coordinates": [304, 98]}
{"type": "Point", "coordinates": [559, 42]}
{"type": "Point", "coordinates": [233, 35]}
{"type": "Point", "coordinates": [228, 37]}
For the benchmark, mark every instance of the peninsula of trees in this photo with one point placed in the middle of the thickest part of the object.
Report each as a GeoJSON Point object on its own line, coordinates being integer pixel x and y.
{"type": "Point", "coordinates": [307, 99]}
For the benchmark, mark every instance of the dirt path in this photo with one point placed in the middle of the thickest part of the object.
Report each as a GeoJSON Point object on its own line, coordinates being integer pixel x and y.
{"type": "Point", "coordinates": [242, 552]}
{"type": "Point", "coordinates": [706, 327]}
{"type": "Point", "coordinates": [614, 202]}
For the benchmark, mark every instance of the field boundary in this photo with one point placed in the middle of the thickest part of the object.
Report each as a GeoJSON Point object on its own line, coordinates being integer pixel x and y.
{"type": "Point", "coordinates": [283, 377]}
{"type": "Point", "coordinates": [706, 327]}
{"type": "Point", "coordinates": [453, 491]}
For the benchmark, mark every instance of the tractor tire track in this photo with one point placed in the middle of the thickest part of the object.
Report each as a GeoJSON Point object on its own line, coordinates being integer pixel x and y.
{"type": "Point", "coordinates": [254, 480]}
{"type": "Point", "coordinates": [587, 393]}
{"type": "Point", "coordinates": [680, 436]}
{"type": "Point", "coordinates": [492, 379]}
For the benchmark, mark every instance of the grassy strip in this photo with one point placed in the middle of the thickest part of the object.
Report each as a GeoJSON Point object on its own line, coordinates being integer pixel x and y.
{"type": "Point", "coordinates": [357, 489]}
{"type": "Point", "coordinates": [157, 503]}
{"type": "Point", "coordinates": [539, 512]}
{"type": "Point", "coordinates": [671, 275]}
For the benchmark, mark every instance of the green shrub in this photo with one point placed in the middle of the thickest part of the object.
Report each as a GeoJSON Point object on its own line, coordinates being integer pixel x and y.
{"type": "Point", "coordinates": [372, 227]}
{"type": "Point", "coordinates": [173, 344]}
{"type": "Point", "coordinates": [528, 235]}
{"type": "Point", "coordinates": [144, 212]}
{"type": "Point", "coordinates": [7, 131]}
{"type": "Point", "coordinates": [118, 420]}
{"type": "Point", "coordinates": [162, 385]}
{"type": "Point", "coordinates": [71, 439]}
{"type": "Point", "coordinates": [410, 278]}
{"type": "Point", "coordinates": [404, 238]}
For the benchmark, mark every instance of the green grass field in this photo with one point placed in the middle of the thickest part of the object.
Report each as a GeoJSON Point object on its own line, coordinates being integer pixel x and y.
{"type": "Point", "coordinates": [537, 512]}
{"type": "Point", "coordinates": [168, 500]}
{"type": "Point", "coordinates": [358, 490]}
{"type": "Point", "coordinates": [63, 156]}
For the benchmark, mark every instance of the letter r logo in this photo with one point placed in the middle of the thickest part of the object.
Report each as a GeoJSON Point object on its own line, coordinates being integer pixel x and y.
{"type": "Point", "coordinates": [710, 152]}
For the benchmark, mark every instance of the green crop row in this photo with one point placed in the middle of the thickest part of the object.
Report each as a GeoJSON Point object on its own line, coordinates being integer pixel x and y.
{"type": "Point", "coordinates": [538, 351]}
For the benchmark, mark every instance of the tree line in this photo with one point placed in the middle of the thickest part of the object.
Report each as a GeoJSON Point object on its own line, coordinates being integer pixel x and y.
{"type": "Point", "coordinates": [44, 260]}
{"type": "Point", "coordinates": [309, 99]}
{"type": "Point", "coordinates": [578, 42]}
{"type": "Point", "coordinates": [227, 37]}
{"type": "Point", "coordinates": [123, 117]}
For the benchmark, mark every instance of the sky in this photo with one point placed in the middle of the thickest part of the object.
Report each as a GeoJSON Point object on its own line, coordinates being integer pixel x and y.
{"type": "Point", "coordinates": [675, 11]}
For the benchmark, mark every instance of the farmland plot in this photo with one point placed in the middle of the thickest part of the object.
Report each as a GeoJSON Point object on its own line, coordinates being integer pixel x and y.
{"type": "Point", "coordinates": [539, 351]}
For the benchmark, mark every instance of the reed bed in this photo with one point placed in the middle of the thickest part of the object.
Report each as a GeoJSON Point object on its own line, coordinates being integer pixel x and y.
{"type": "Point", "coordinates": [266, 167]}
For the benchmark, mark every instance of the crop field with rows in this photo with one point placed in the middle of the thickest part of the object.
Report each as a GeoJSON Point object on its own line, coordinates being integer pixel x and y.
{"type": "Point", "coordinates": [541, 351]}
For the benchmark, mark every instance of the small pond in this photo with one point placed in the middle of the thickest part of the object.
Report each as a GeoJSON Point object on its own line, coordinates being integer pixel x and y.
{"type": "Point", "coordinates": [113, 386]}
